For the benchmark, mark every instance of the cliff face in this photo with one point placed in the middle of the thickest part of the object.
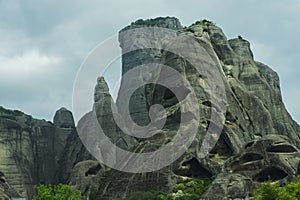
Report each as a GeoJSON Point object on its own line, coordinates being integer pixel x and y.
{"type": "Point", "coordinates": [259, 139]}
{"type": "Point", "coordinates": [31, 148]}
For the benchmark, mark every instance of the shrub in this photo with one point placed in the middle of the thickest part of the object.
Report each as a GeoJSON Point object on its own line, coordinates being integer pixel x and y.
{"type": "Point", "coordinates": [190, 189]}
{"type": "Point", "coordinates": [267, 191]}
{"type": "Point", "coordinates": [57, 192]}
{"type": "Point", "coordinates": [151, 195]}
{"type": "Point", "coordinates": [272, 191]}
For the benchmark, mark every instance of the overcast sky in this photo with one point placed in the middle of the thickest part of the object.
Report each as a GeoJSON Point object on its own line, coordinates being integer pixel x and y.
{"type": "Point", "coordinates": [43, 43]}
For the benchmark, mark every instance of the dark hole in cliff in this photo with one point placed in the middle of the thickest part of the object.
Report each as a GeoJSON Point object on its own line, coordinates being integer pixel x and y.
{"type": "Point", "coordinates": [168, 94]}
{"type": "Point", "coordinates": [66, 126]}
{"type": "Point", "coordinates": [222, 147]}
{"type": "Point", "coordinates": [258, 134]}
{"type": "Point", "coordinates": [193, 168]}
{"type": "Point", "coordinates": [283, 148]}
{"type": "Point", "coordinates": [211, 105]}
{"type": "Point", "coordinates": [270, 174]}
{"type": "Point", "coordinates": [298, 168]}
{"type": "Point", "coordinates": [2, 180]}
{"type": "Point", "coordinates": [207, 103]}
{"type": "Point", "coordinates": [248, 145]}
{"type": "Point", "coordinates": [93, 171]}
{"type": "Point", "coordinates": [230, 117]}
{"type": "Point", "coordinates": [249, 157]}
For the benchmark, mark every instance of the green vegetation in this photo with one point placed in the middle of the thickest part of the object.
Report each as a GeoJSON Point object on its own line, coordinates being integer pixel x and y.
{"type": "Point", "coordinates": [205, 22]}
{"type": "Point", "coordinates": [57, 192]}
{"type": "Point", "coordinates": [230, 125]}
{"type": "Point", "coordinates": [219, 159]}
{"type": "Point", "coordinates": [190, 189]}
{"type": "Point", "coordinates": [153, 195]}
{"type": "Point", "coordinates": [172, 109]}
{"type": "Point", "coordinates": [272, 191]}
{"type": "Point", "coordinates": [157, 22]}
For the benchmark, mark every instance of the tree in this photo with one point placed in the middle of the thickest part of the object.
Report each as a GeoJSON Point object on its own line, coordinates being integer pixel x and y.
{"type": "Point", "coordinates": [267, 191]}
{"type": "Point", "coordinates": [272, 191]}
{"type": "Point", "coordinates": [57, 192]}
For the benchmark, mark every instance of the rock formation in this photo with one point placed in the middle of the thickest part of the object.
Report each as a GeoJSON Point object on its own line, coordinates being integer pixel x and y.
{"type": "Point", "coordinates": [259, 139]}
{"type": "Point", "coordinates": [31, 149]}
{"type": "Point", "coordinates": [255, 114]}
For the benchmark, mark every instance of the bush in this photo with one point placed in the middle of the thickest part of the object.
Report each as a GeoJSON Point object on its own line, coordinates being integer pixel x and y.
{"type": "Point", "coordinates": [190, 189]}
{"type": "Point", "coordinates": [153, 195]}
{"type": "Point", "coordinates": [57, 192]}
{"type": "Point", "coordinates": [267, 191]}
{"type": "Point", "coordinates": [272, 191]}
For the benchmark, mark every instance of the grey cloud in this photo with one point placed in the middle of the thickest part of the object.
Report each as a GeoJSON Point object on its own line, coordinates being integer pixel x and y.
{"type": "Point", "coordinates": [70, 29]}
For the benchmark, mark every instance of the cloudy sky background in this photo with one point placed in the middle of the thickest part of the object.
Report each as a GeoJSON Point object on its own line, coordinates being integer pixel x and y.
{"type": "Point", "coordinates": [43, 43]}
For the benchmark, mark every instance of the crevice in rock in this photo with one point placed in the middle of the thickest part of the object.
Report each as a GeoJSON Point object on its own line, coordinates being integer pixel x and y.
{"type": "Point", "coordinates": [211, 105]}
{"type": "Point", "coordinates": [250, 144]}
{"type": "Point", "coordinates": [283, 148]}
{"type": "Point", "coordinates": [241, 127]}
{"type": "Point", "coordinates": [222, 147]}
{"type": "Point", "coordinates": [2, 179]}
{"type": "Point", "coordinates": [207, 103]}
{"type": "Point", "coordinates": [250, 157]}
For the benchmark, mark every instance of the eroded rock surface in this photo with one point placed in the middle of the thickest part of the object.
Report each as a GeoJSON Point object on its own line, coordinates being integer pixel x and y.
{"type": "Point", "coordinates": [31, 148]}
{"type": "Point", "coordinates": [259, 139]}
{"type": "Point", "coordinates": [254, 112]}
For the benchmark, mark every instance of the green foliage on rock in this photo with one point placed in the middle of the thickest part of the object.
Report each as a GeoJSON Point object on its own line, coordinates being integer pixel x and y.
{"type": "Point", "coordinates": [57, 192]}
{"type": "Point", "coordinates": [151, 195]}
{"type": "Point", "coordinates": [190, 189]}
{"type": "Point", "coordinates": [267, 191]}
{"type": "Point", "coordinates": [272, 191]}
{"type": "Point", "coordinates": [204, 22]}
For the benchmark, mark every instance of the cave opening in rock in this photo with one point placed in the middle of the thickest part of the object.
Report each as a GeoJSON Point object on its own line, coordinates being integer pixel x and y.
{"type": "Point", "coordinates": [283, 148]}
{"type": "Point", "coordinates": [93, 170]}
{"type": "Point", "coordinates": [250, 157]}
{"type": "Point", "coordinates": [223, 147]}
{"type": "Point", "coordinates": [250, 144]}
{"type": "Point", "coordinates": [168, 94]}
{"type": "Point", "coordinates": [193, 169]}
{"type": "Point", "coordinates": [270, 174]}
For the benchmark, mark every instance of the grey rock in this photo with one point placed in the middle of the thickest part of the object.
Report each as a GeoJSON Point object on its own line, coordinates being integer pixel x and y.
{"type": "Point", "coordinates": [259, 139]}
{"type": "Point", "coordinates": [255, 111]}
{"type": "Point", "coordinates": [30, 150]}
{"type": "Point", "coordinates": [63, 118]}
{"type": "Point", "coordinates": [85, 175]}
{"type": "Point", "coordinates": [271, 158]}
